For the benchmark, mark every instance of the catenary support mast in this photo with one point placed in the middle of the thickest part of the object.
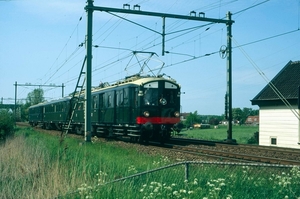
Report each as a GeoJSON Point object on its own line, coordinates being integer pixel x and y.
{"type": "Point", "coordinates": [39, 85]}
{"type": "Point", "coordinates": [229, 78]}
{"type": "Point", "coordinates": [88, 85]}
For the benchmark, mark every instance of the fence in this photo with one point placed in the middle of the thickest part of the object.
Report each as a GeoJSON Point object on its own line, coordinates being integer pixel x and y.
{"type": "Point", "coordinates": [187, 164]}
{"type": "Point", "coordinates": [198, 179]}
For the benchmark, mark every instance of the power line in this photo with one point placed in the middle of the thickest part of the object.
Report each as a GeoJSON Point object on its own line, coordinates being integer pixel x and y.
{"type": "Point", "coordinates": [270, 83]}
{"type": "Point", "coordinates": [267, 38]}
{"type": "Point", "coordinates": [66, 44]}
{"type": "Point", "coordinates": [62, 64]}
{"type": "Point", "coordinates": [253, 6]}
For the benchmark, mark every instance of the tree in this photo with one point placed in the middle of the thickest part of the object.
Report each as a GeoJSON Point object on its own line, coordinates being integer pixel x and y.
{"type": "Point", "coordinates": [192, 118]}
{"type": "Point", "coordinates": [237, 114]}
{"type": "Point", "coordinates": [35, 97]}
{"type": "Point", "coordinates": [214, 121]}
{"type": "Point", "coordinates": [241, 115]}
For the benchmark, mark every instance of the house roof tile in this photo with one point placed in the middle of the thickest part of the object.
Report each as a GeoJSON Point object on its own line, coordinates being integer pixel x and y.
{"type": "Point", "coordinates": [287, 81]}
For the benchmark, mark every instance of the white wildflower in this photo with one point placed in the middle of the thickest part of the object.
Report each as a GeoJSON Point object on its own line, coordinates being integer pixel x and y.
{"type": "Point", "coordinates": [182, 191]}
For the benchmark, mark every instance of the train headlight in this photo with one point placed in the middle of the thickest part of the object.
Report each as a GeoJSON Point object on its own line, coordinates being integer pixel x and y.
{"type": "Point", "coordinates": [177, 114]}
{"type": "Point", "coordinates": [163, 101]}
{"type": "Point", "coordinates": [146, 114]}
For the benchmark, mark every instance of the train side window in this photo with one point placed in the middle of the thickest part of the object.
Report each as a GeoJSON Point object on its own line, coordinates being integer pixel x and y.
{"type": "Point", "coordinates": [57, 108]}
{"type": "Point", "coordinates": [118, 98]}
{"type": "Point", "coordinates": [135, 98]}
{"type": "Point", "coordinates": [125, 97]}
{"type": "Point", "coordinates": [109, 101]}
{"type": "Point", "coordinates": [102, 100]}
{"type": "Point", "coordinates": [121, 98]}
{"type": "Point", "coordinates": [95, 102]}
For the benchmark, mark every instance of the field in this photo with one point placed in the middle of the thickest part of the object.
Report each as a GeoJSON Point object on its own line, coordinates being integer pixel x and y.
{"type": "Point", "coordinates": [241, 133]}
{"type": "Point", "coordinates": [37, 165]}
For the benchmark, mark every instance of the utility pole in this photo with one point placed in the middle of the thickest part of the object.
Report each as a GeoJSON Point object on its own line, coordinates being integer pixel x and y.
{"type": "Point", "coordinates": [16, 87]}
{"type": "Point", "coordinates": [229, 79]}
{"type": "Point", "coordinates": [39, 85]}
{"type": "Point", "coordinates": [88, 85]}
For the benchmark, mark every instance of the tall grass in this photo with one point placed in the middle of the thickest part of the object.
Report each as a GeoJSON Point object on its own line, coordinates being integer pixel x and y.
{"type": "Point", "coordinates": [35, 165]}
{"type": "Point", "coordinates": [30, 170]}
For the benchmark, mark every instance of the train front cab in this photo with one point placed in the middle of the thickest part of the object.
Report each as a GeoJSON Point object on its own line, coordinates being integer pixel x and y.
{"type": "Point", "coordinates": [159, 109]}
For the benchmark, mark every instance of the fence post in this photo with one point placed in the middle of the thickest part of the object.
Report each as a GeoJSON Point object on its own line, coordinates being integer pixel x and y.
{"type": "Point", "coordinates": [187, 171]}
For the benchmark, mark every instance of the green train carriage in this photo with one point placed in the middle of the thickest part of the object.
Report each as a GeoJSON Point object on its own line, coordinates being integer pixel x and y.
{"type": "Point", "coordinates": [143, 108]}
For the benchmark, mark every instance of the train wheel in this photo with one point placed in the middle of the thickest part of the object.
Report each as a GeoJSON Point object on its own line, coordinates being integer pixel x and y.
{"type": "Point", "coordinates": [79, 130]}
{"type": "Point", "coordinates": [141, 139]}
{"type": "Point", "coordinates": [163, 137]}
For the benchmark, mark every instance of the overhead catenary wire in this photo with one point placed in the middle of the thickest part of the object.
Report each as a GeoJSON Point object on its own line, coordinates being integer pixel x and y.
{"type": "Point", "coordinates": [64, 63]}
{"type": "Point", "coordinates": [242, 45]}
{"type": "Point", "coordinates": [66, 44]}
{"type": "Point", "coordinates": [248, 8]}
{"type": "Point", "coordinates": [151, 29]}
{"type": "Point", "coordinates": [148, 45]}
{"type": "Point", "coordinates": [270, 83]}
{"type": "Point", "coordinates": [193, 28]}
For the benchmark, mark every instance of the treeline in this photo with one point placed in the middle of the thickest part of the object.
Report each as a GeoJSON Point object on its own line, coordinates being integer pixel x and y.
{"type": "Point", "coordinates": [8, 118]}
{"type": "Point", "coordinates": [238, 115]}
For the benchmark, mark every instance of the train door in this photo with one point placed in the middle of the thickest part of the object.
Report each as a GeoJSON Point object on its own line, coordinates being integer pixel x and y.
{"type": "Point", "coordinates": [134, 104]}
{"type": "Point", "coordinates": [95, 108]}
{"type": "Point", "coordinates": [122, 106]}
{"type": "Point", "coordinates": [126, 106]}
{"type": "Point", "coordinates": [119, 106]}
{"type": "Point", "coordinates": [108, 111]}
{"type": "Point", "coordinates": [101, 107]}
{"type": "Point", "coordinates": [78, 116]}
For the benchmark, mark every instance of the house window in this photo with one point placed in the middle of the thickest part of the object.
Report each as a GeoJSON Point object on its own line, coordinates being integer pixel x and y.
{"type": "Point", "coordinates": [273, 141]}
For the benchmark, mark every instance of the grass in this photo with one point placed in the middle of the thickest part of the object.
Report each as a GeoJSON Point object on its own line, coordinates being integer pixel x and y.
{"type": "Point", "coordinates": [241, 133]}
{"type": "Point", "coordinates": [36, 165]}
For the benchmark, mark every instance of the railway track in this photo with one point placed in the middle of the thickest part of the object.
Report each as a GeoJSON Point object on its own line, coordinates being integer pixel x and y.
{"type": "Point", "coordinates": [230, 152]}
{"type": "Point", "coordinates": [240, 157]}
{"type": "Point", "coordinates": [237, 152]}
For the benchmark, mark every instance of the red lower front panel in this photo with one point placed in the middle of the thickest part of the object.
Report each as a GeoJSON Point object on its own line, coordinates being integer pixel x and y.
{"type": "Point", "coordinates": [157, 120]}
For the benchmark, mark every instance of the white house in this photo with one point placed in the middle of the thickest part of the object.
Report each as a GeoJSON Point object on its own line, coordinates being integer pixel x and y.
{"type": "Point", "coordinates": [279, 108]}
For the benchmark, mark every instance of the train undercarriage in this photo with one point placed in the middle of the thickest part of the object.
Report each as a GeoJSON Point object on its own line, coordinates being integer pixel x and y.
{"type": "Point", "coordinates": [142, 133]}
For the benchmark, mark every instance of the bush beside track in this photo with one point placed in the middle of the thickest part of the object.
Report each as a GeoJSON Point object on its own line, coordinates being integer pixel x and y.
{"type": "Point", "coordinates": [6, 124]}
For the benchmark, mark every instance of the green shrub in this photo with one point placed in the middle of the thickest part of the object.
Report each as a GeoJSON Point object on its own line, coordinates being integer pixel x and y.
{"type": "Point", "coordinates": [6, 123]}
{"type": "Point", "coordinates": [254, 139]}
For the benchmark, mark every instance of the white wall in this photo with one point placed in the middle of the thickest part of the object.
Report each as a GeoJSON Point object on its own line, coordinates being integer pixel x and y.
{"type": "Point", "coordinates": [280, 123]}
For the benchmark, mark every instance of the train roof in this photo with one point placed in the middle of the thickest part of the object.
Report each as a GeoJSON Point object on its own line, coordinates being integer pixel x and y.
{"type": "Point", "coordinates": [130, 80]}
{"type": "Point", "coordinates": [133, 80]}
{"type": "Point", "coordinates": [51, 102]}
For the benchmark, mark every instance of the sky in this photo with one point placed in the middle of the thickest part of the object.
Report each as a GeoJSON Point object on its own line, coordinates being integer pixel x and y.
{"type": "Point", "coordinates": [42, 43]}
